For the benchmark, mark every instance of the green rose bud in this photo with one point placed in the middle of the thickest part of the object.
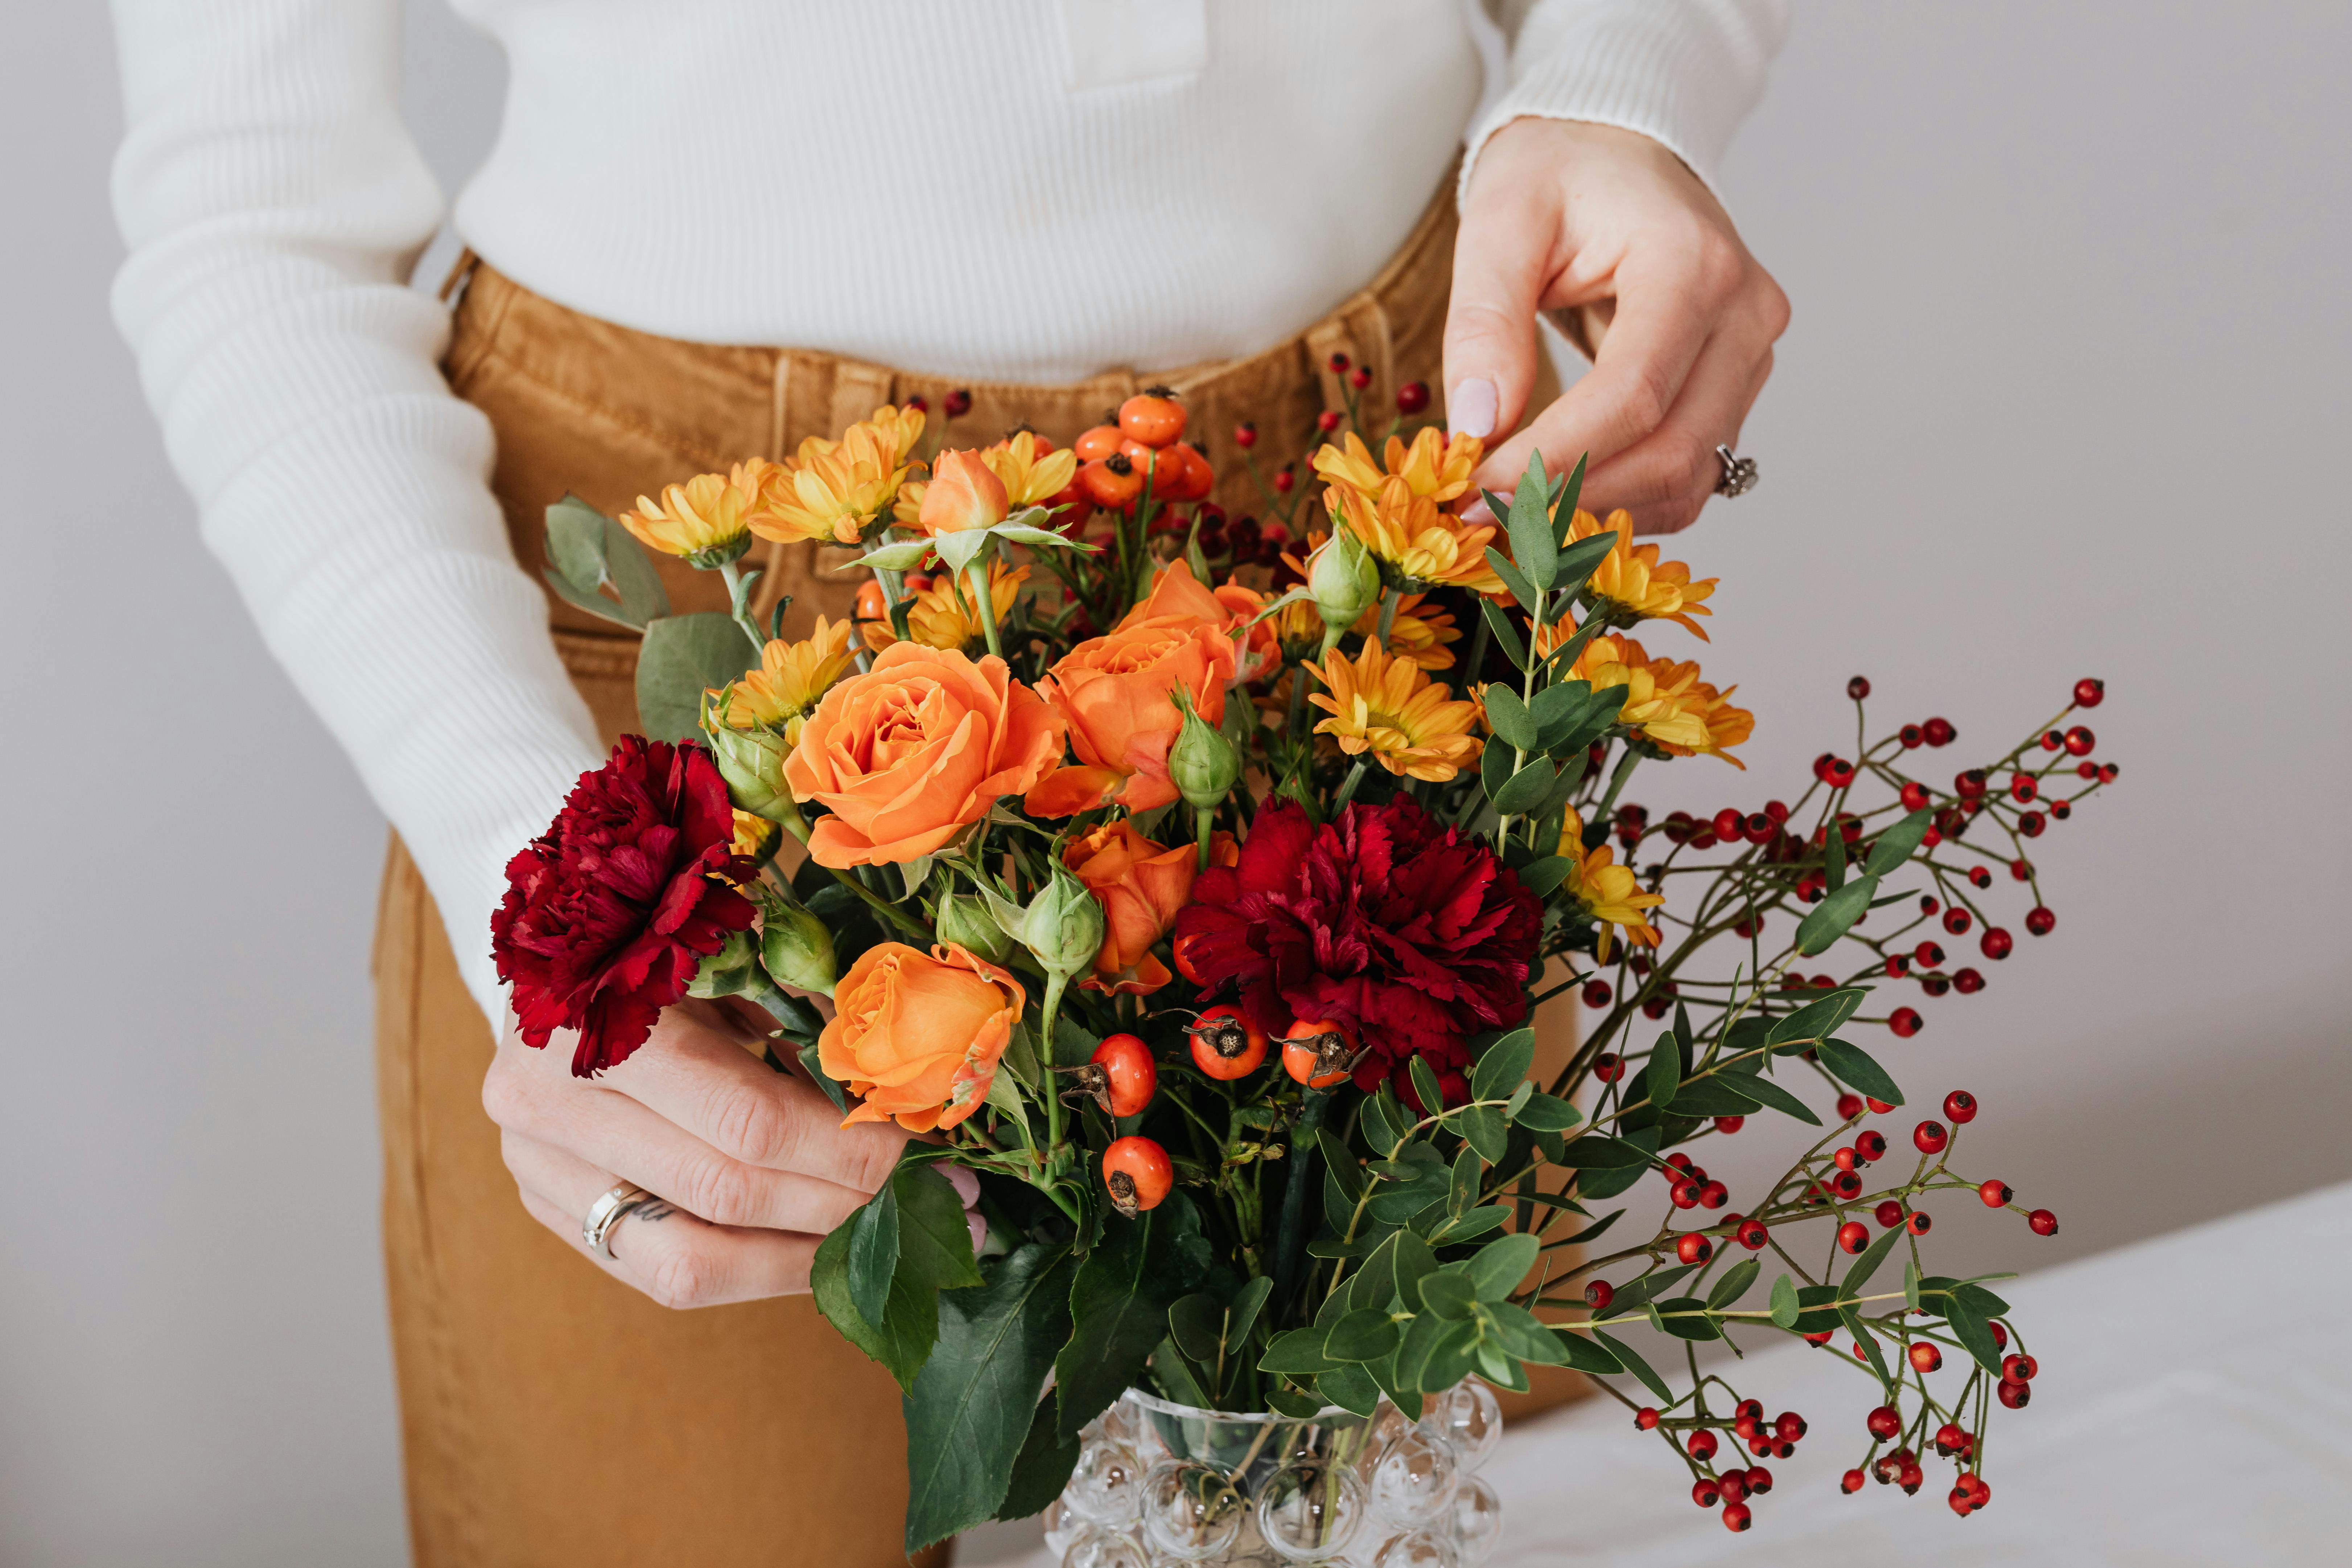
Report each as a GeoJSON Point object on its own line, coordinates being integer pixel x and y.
{"type": "Point", "coordinates": [964, 920]}
{"type": "Point", "coordinates": [730, 971]}
{"type": "Point", "coordinates": [794, 945]}
{"type": "Point", "coordinates": [752, 763]}
{"type": "Point", "coordinates": [1203, 762]}
{"type": "Point", "coordinates": [1344, 581]}
{"type": "Point", "coordinates": [1062, 928]}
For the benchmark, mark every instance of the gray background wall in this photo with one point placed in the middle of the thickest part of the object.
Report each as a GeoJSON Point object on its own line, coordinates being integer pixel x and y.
{"type": "Point", "coordinates": [2064, 396]}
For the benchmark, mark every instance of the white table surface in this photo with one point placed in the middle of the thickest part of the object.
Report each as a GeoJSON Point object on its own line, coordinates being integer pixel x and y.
{"type": "Point", "coordinates": [2192, 1409]}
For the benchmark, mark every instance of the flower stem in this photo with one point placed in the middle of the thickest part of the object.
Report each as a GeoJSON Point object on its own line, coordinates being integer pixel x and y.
{"type": "Point", "coordinates": [797, 825]}
{"type": "Point", "coordinates": [1348, 787]}
{"type": "Point", "coordinates": [977, 573]}
{"type": "Point", "coordinates": [1204, 821]}
{"type": "Point", "coordinates": [1388, 616]}
{"type": "Point", "coordinates": [1048, 1011]}
{"type": "Point", "coordinates": [740, 609]}
{"type": "Point", "coordinates": [1288, 1243]}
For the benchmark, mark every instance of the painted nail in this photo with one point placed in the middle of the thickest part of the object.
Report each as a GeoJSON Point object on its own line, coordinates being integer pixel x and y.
{"type": "Point", "coordinates": [1471, 407]}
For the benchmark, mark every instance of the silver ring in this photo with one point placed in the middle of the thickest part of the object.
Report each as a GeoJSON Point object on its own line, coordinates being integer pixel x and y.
{"type": "Point", "coordinates": [1740, 474]}
{"type": "Point", "coordinates": [608, 1211]}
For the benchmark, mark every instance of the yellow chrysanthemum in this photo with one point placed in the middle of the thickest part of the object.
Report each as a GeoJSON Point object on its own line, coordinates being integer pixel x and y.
{"type": "Point", "coordinates": [1666, 700]}
{"type": "Point", "coordinates": [832, 489]}
{"type": "Point", "coordinates": [791, 678]}
{"type": "Point", "coordinates": [1417, 634]}
{"type": "Point", "coordinates": [752, 834]}
{"type": "Point", "coordinates": [1631, 585]}
{"type": "Point", "coordinates": [1432, 467]}
{"type": "Point", "coordinates": [1031, 476]}
{"type": "Point", "coordinates": [1605, 891]}
{"type": "Point", "coordinates": [937, 618]}
{"type": "Point", "coordinates": [1391, 709]}
{"type": "Point", "coordinates": [1726, 726]}
{"type": "Point", "coordinates": [1416, 540]}
{"type": "Point", "coordinates": [709, 512]}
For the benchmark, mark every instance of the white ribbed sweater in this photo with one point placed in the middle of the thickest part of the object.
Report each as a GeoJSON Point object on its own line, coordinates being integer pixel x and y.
{"type": "Point", "coordinates": [1027, 190]}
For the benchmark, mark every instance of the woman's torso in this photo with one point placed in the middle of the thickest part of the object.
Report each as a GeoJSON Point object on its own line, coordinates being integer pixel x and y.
{"type": "Point", "coordinates": [1028, 190]}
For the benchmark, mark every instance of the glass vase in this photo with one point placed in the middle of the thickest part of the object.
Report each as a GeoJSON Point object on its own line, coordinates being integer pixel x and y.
{"type": "Point", "coordinates": [1159, 1483]}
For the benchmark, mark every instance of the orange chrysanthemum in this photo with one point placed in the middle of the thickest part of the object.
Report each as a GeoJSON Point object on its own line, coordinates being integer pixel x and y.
{"type": "Point", "coordinates": [1604, 891]}
{"type": "Point", "coordinates": [1631, 585]}
{"type": "Point", "coordinates": [791, 678]}
{"type": "Point", "coordinates": [1432, 467]}
{"type": "Point", "coordinates": [1418, 544]}
{"type": "Point", "coordinates": [833, 490]}
{"type": "Point", "coordinates": [1666, 700]}
{"type": "Point", "coordinates": [1391, 709]}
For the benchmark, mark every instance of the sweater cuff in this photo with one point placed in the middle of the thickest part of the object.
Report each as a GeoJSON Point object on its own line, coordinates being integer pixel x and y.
{"type": "Point", "coordinates": [1684, 73]}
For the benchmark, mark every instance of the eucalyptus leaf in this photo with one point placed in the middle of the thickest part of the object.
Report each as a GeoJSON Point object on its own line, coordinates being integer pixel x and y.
{"type": "Point", "coordinates": [683, 657]}
{"type": "Point", "coordinates": [1548, 1113]}
{"type": "Point", "coordinates": [1506, 636]}
{"type": "Point", "coordinates": [1529, 526]}
{"type": "Point", "coordinates": [1785, 1306]}
{"type": "Point", "coordinates": [1522, 591]}
{"type": "Point", "coordinates": [1543, 877]}
{"type": "Point", "coordinates": [1526, 789]}
{"type": "Point", "coordinates": [1497, 1269]}
{"type": "Point", "coordinates": [1484, 1128]}
{"type": "Point", "coordinates": [1513, 724]}
{"type": "Point", "coordinates": [1365, 1334]}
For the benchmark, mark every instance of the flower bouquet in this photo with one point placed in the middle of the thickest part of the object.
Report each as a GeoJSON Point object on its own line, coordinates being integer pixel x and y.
{"type": "Point", "coordinates": [1194, 882]}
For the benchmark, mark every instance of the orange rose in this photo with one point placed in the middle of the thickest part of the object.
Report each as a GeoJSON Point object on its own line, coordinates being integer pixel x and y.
{"type": "Point", "coordinates": [918, 1037]}
{"type": "Point", "coordinates": [962, 493]}
{"type": "Point", "coordinates": [1140, 886]}
{"type": "Point", "coordinates": [916, 749]}
{"type": "Point", "coordinates": [1115, 692]}
{"type": "Point", "coordinates": [1259, 652]}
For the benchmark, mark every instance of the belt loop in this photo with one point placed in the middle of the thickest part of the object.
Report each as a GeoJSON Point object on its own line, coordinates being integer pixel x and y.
{"type": "Point", "coordinates": [460, 272]}
{"type": "Point", "coordinates": [858, 389]}
{"type": "Point", "coordinates": [780, 404]}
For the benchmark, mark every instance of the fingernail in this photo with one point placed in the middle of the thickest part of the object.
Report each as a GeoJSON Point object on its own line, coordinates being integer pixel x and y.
{"type": "Point", "coordinates": [1471, 407]}
{"type": "Point", "coordinates": [1478, 512]}
{"type": "Point", "coordinates": [979, 1229]}
{"type": "Point", "coordinates": [967, 1186]}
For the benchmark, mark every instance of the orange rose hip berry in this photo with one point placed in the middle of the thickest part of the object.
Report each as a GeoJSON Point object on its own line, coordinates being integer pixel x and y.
{"type": "Point", "coordinates": [1129, 1077]}
{"type": "Point", "coordinates": [1319, 1053]}
{"type": "Point", "coordinates": [1227, 1045]}
{"type": "Point", "coordinates": [1138, 1175]}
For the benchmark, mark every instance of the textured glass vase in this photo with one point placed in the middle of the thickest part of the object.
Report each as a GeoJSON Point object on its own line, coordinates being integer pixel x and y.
{"type": "Point", "coordinates": [1158, 1484]}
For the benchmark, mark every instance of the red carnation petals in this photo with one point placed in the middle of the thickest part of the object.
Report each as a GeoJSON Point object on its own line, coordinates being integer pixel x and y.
{"type": "Point", "coordinates": [609, 913]}
{"type": "Point", "coordinates": [1410, 934]}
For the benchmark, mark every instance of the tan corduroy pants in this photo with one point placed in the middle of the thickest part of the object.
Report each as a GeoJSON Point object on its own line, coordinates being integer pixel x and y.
{"type": "Point", "coordinates": [552, 1416]}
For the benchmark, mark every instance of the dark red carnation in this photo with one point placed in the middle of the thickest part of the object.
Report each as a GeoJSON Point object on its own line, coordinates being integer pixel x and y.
{"type": "Point", "coordinates": [609, 913]}
{"type": "Point", "coordinates": [1410, 935]}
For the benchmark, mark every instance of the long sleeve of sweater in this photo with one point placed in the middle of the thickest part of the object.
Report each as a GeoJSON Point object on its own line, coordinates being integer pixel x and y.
{"type": "Point", "coordinates": [272, 203]}
{"type": "Point", "coordinates": [1684, 73]}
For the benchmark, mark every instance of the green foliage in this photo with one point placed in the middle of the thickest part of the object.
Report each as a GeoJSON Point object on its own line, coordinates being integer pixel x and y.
{"type": "Point", "coordinates": [1854, 1066]}
{"type": "Point", "coordinates": [683, 655]}
{"type": "Point", "coordinates": [1118, 1305]}
{"type": "Point", "coordinates": [587, 551]}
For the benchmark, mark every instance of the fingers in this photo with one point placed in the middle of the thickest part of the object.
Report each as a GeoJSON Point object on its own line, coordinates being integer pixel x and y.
{"type": "Point", "coordinates": [1502, 262]}
{"type": "Point", "coordinates": [612, 1131]}
{"type": "Point", "coordinates": [1667, 476]}
{"type": "Point", "coordinates": [670, 1255]}
{"type": "Point", "coordinates": [1662, 321]}
{"type": "Point", "coordinates": [696, 1077]}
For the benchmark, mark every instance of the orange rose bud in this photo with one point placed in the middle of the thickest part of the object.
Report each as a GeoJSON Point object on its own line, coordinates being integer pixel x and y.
{"type": "Point", "coordinates": [963, 494]}
{"type": "Point", "coordinates": [1114, 692]}
{"type": "Point", "coordinates": [916, 1036]}
{"type": "Point", "coordinates": [1141, 886]}
{"type": "Point", "coordinates": [915, 751]}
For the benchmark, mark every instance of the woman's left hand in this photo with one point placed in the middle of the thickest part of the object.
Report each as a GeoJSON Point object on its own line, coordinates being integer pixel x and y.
{"type": "Point", "coordinates": [1569, 217]}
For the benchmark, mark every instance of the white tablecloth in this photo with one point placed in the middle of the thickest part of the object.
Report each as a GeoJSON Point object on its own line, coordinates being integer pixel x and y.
{"type": "Point", "coordinates": [2192, 1410]}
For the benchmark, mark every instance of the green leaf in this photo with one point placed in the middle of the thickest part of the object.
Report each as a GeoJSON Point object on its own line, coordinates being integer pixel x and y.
{"type": "Point", "coordinates": [1867, 1264]}
{"type": "Point", "coordinates": [1911, 1284]}
{"type": "Point", "coordinates": [1394, 1203]}
{"type": "Point", "coordinates": [1349, 1388]}
{"type": "Point", "coordinates": [1495, 766]}
{"type": "Point", "coordinates": [1513, 724]}
{"type": "Point", "coordinates": [1580, 717]}
{"type": "Point", "coordinates": [1585, 1356]}
{"type": "Point", "coordinates": [1975, 1335]}
{"type": "Point", "coordinates": [683, 655]}
{"type": "Point", "coordinates": [1854, 1066]}
{"type": "Point", "coordinates": [1834, 916]}
{"type": "Point", "coordinates": [1380, 1130]}
{"type": "Point", "coordinates": [1176, 1376]}
{"type": "Point", "coordinates": [1635, 1365]}
{"type": "Point", "coordinates": [1118, 1308]}
{"type": "Point", "coordinates": [1448, 1292]}
{"type": "Point", "coordinates": [934, 1241]}
{"type": "Point", "coordinates": [1564, 657]}
{"type": "Point", "coordinates": [1484, 1128]}
{"type": "Point", "coordinates": [1041, 1469]}
{"type": "Point", "coordinates": [1548, 1113]}
{"type": "Point", "coordinates": [1814, 1314]}
{"type": "Point", "coordinates": [901, 1341]}
{"type": "Point", "coordinates": [1497, 1269]}
{"type": "Point", "coordinates": [1581, 559]}
{"type": "Point", "coordinates": [1834, 856]}
{"type": "Point", "coordinates": [588, 549]}
{"type": "Point", "coordinates": [1978, 1300]}
{"type": "Point", "coordinates": [1638, 1294]}
{"type": "Point", "coordinates": [1197, 1324]}
{"type": "Point", "coordinates": [1414, 1262]}
{"type": "Point", "coordinates": [1565, 496]}
{"type": "Point", "coordinates": [1523, 593]}
{"type": "Point", "coordinates": [1735, 1282]}
{"type": "Point", "coordinates": [1421, 1338]}
{"type": "Point", "coordinates": [815, 1068]}
{"type": "Point", "coordinates": [1684, 1318]}
{"type": "Point", "coordinates": [1817, 1019]}
{"type": "Point", "coordinates": [1664, 1075]}
{"type": "Point", "coordinates": [1526, 789]}
{"type": "Point", "coordinates": [1374, 1284]}
{"type": "Point", "coordinates": [1298, 1351]}
{"type": "Point", "coordinates": [1898, 843]}
{"type": "Point", "coordinates": [575, 545]}
{"type": "Point", "coordinates": [1341, 1161]}
{"type": "Point", "coordinates": [1297, 1406]}
{"type": "Point", "coordinates": [1784, 1302]}
{"type": "Point", "coordinates": [1503, 1065]}
{"type": "Point", "coordinates": [968, 1415]}
{"type": "Point", "coordinates": [1867, 1341]}
{"type": "Point", "coordinates": [1543, 877]}
{"type": "Point", "coordinates": [1451, 1359]}
{"type": "Point", "coordinates": [873, 1253]}
{"type": "Point", "coordinates": [1462, 1184]}
{"type": "Point", "coordinates": [903, 557]}
{"type": "Point", "coordinates": [1506, 636]}
{"type": "Point", "coordinates": [1766, 1091]}
{"type": "Point", "coordinates": [1242, 1312]}
{"type": "Point", "coordinates": [1368, 1333]}
{"type": "Point", "coordinates": [1529, 525]}
{"type": "Point", "coordinates": [1523, 1334]}
{"type": "Point", "coordinates": [1471, 1225]}
{"type": "Point", "coordinates": [1715, 1095]}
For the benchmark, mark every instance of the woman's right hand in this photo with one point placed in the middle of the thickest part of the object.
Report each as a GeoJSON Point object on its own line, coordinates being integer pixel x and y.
{"type": "Point", "coordinates": [752, 1165]}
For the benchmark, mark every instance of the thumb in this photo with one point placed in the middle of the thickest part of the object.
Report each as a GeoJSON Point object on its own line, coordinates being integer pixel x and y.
{"type": "Point", "coordinates": [1500, 273]}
